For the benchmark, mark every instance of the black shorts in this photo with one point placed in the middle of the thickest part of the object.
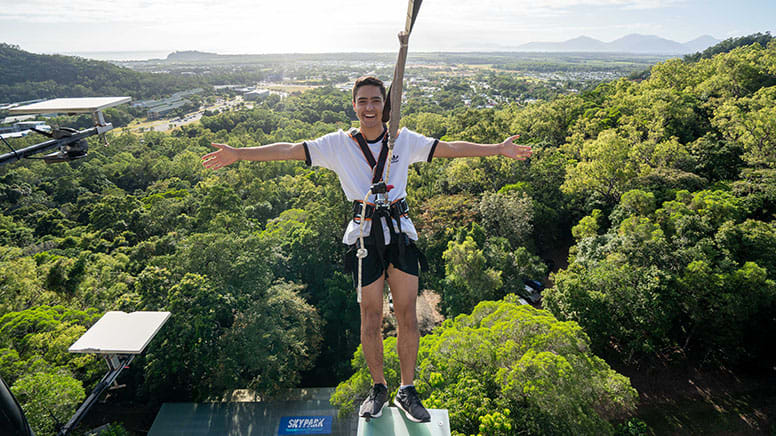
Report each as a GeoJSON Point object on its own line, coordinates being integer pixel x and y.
{"type": "Point", "coordinates": [376, 264]}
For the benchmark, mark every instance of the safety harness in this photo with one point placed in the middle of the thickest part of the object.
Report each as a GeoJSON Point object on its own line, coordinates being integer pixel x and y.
{"type": "Point", "coordinates": [378, 211]}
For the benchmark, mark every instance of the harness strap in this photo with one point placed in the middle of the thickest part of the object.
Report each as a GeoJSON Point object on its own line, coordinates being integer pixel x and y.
{"type": "Point", "coordinates": [376, 166]}
{"type": "Point", "coordinates": [397, 210]}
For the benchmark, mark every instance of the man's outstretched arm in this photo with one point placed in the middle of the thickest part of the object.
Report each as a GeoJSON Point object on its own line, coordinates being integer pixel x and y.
{"type": "Point", "coordinates": [471, 149]}
{"type": "Point", "coordinates": [226, 155]}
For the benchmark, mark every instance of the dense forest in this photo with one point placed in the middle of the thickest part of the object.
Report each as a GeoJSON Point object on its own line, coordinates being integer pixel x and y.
{"type": "Point", "coordinates": [29, 76]}
{"type": "Point", "coordinates": [663, 188]}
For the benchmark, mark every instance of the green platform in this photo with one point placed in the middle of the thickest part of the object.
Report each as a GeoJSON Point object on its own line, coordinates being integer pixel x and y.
{"type": "Point", "coordinates": [393, 423]}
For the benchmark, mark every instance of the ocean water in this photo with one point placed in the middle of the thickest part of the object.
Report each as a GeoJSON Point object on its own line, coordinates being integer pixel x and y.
{"type": "Point", "coordinates": [120, 55]}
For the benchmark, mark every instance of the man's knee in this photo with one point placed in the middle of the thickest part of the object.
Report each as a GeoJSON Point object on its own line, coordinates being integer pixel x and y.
{"type": "Point", "coordinates": [371, 318]}
{"type": "Point", "coordinates": [405, 304]}
{"type": "Point", "coordinates": [406, 315]}
{"type": "Point", "coordinates": [408, 321]}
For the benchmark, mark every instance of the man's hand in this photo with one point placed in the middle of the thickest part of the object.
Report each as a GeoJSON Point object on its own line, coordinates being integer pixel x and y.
{"type": "Point", "coordinates": [226, 155]}
{"type": "Point", "coordinates": [514, 151]}
{"type": "Point", "coordinates": [404, 38]}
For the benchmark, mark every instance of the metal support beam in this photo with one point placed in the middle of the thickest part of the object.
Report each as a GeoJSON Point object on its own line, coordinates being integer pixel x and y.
{"type": "Point", "coordinates": [37, 148]}
{"type": "Point", "coordinates": [116, 364]}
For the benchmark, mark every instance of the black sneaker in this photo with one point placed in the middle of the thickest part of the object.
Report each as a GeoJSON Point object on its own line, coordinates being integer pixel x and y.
{"type": "Point", "coordinates": [372, 407]}
{"type": "Point", "coordinates": [408, 401]}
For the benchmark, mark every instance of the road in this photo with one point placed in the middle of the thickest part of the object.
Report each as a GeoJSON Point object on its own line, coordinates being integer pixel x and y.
{"type": "Point", "coordinates": [165, 125]}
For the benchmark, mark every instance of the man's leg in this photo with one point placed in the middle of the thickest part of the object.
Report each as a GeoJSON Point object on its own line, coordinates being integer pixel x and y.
{"type": "Point", "coordinates": [372, 344]}
{"type": "Point", "coordinates": [404, 290]}
{"type": "Point", "coordinates": [372, 328]}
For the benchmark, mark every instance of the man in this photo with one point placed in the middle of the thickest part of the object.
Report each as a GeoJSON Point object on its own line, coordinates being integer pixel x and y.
{"type": "Point", "coordinates": [391, 254]}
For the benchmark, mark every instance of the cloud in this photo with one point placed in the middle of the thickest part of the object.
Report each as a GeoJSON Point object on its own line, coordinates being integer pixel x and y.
{"type": "Point", "coordinates": [133, 11]}
{"type": "Point", "coordinates": [145, 11]}
{"type": "Point", "coordinates": [467, 8]}
{"type": "Point", "coordinates": [315, 25]}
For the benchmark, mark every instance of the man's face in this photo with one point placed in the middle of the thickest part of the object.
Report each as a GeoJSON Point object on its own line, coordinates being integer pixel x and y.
{"type": "Point", "coordinates": [369, 106]}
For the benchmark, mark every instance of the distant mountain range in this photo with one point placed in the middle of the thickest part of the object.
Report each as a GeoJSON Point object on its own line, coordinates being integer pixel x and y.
{"type": "Point", "coordinates": [633, 43]}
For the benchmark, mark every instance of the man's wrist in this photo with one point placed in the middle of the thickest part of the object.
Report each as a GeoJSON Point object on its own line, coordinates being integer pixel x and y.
{"type": "Point", "coordinates": [240, 153]}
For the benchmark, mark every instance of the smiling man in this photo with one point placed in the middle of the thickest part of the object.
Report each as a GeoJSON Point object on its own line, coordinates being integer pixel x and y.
{"type": "Point", "coordinates": [359, 159]}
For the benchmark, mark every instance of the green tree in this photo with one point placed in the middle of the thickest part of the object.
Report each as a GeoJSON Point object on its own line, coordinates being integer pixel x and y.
{"type": "Point", "coordinates": [729, 44]}
{"type": "Point", "coordinates": [630, 307]}
{"type": "Point", "coordinates": [751, 121]}
{"type": "Point", "coordinates": [38, 338]}
{"type": "Point", "coordinates": [181, 362]}
{"type": "Point", "coordinates": [12, 233]}
{"type": "Point", "coordinates": [439, 219]}
{"type": "Point", "coordinates": [547, 122]}
{"type": "Point", "coordinates": [508, 215]}
{"type": "Point", "coordinates": [271, 342]}
{"type": "Point", "coordinates": [516, 266]}
{"type": "Point", "coordinates": [429, 124]}
{"type": "Point", "coordinates": [604, 169]}
{"type": "Point", "coordinates": [20, 283]}
{"type": "Point", "coordinates": [508, 366]}
{"type": "Point", "coordinates": [238, 265]}
{"type": "Point", "coordinates": [214, 344]}
{"type": "Point", "coordinates": [468, 279]}
{"type": "Point", "coordinates": [588, 226]}
{"type": "Point", "coordinates": [48, 399]}
{"type": "Point", "coordinates": [684, 279]}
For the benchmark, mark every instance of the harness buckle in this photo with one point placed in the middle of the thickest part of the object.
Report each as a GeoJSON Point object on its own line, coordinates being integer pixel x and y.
{"type": "Point", "coordinates": [379, 188]}
{"type": "Point", "coordinates": [398, 209]}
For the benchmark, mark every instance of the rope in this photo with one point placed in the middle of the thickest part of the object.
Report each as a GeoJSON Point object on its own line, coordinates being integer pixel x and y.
{"type": "Point", "coordinates": [361, 253]}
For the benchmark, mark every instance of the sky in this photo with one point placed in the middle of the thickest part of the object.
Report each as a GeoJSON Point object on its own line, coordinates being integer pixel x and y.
{"type": "Point", "coordinates": [325, 26]}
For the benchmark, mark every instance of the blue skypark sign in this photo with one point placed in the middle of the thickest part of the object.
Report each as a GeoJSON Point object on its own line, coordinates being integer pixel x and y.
{"type": "Point", "coordinates": [295, 425]}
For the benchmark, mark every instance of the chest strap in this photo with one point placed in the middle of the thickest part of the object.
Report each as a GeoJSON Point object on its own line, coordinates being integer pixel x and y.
{"type": "Point", "coordinates": [376, 166]}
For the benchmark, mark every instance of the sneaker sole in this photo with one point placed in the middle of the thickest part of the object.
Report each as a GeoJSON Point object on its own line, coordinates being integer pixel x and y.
{"type": "Point", "coordinates": [377, 415]}
{"type": "Point", "coordinates": [407, 413]}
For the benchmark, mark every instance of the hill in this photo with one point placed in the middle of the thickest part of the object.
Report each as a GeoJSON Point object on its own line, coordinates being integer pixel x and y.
{"type": "Point", "coordinates": [190, 55]}
{"type": "Point", "coordinates": [25, 76]}
{"type": "Point", "coordinates": [729, 44]}
{"type": "Point", "coordinates": [701, 43]}
{"type": "Point", "coordinates": [633, 43]}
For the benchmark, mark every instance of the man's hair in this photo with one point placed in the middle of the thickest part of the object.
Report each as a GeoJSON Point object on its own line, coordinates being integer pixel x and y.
{"type": "Point", "coordinates": [368, 80]}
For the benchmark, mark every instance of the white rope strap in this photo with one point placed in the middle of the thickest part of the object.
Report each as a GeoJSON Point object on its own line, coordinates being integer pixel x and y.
{"type": "Point", "coordinates": [361, 253]}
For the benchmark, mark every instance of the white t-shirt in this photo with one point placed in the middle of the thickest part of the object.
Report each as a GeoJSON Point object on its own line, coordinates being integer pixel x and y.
{"type": "Point", "coordinates": [340, 152]}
